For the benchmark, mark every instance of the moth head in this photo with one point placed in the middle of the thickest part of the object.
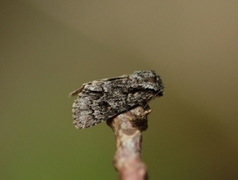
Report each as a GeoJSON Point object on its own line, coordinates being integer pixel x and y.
{"type": "Point", "coordinates": [148, 79]}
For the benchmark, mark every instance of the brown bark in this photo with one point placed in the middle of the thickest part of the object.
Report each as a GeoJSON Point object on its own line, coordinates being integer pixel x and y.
{"type": "Point", "coordinates": [127, 128]}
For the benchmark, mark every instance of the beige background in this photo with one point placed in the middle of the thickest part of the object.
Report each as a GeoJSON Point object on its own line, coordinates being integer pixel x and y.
{"type": "Point", "coordinates": [49, 48]}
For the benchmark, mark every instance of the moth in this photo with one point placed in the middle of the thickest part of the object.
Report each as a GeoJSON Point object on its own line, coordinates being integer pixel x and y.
{"type": "Point", "coordinates": [103, 99]}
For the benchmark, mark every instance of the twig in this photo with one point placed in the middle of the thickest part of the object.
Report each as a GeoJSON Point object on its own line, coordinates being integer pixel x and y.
{"type": "Point", "coordinates": [127, 128]}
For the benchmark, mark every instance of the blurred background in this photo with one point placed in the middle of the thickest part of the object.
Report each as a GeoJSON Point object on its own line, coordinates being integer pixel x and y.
{"type": "Point", "coordinates": [49, 48]}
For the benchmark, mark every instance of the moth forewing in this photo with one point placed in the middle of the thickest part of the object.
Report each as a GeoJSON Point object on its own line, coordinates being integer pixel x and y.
{"type": "Point", "coordinates": [102, 99]}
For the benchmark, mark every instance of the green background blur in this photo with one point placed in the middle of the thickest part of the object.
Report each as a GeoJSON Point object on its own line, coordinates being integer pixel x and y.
{"type": "Point", "coordinates": [49, 48]}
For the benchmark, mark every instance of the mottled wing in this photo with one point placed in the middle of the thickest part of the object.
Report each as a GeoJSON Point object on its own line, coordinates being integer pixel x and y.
{"type": "Point", "coordinates": [96, 102]}
{"type": "Point", "coordinates": [103, 99]}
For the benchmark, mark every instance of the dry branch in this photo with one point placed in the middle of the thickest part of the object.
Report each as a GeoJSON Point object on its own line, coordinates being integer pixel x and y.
{"type": "Point", "coordinates": [127, 128]}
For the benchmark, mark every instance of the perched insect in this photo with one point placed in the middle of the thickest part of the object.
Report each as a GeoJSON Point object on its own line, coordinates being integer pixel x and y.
{"type": "Point", "coordinates": [103, 99]}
